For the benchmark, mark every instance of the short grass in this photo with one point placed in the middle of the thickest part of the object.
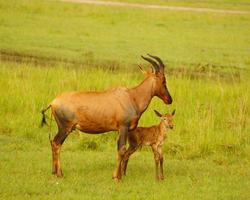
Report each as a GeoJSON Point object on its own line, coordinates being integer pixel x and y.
{"type": "Point", "coordinates": [25, 174]}
{"type": "Point", "coordinates": [206, 155]}
{"type": "Point", "coordinates": [218, 4]}
{"type": "Point", "coordinates": [101, 33]}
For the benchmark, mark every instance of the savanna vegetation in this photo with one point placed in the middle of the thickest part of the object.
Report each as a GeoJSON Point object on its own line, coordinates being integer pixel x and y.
{"type": "Point", "coordinates": [49, 47]}
{"type": "Point", "coordinates": [215, 4]}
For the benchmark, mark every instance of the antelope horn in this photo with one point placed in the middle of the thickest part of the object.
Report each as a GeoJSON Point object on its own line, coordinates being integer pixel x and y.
{"type": "Point", "coordinates": [143, 71]}
{"type": "Point", "coordinates": [159, 61]}
{"type": "Point", "coordinates": [155, 65]}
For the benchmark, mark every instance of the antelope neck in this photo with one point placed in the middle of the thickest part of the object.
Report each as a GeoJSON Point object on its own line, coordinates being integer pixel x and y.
{"type": "Point", "coordinates": [163, 126]}
{"type": "Point", "coordinates": [143, 93]}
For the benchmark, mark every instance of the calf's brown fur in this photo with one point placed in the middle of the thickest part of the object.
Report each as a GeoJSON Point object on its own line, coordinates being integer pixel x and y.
{"type": "Point", "coordinates": [117, 109]}
{"type": "Point", "coordinates": [153, 136]}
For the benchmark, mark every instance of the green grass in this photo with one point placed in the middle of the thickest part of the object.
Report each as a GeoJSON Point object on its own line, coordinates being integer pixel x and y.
{"type": "Point", "coordinates": [88, 176]}
{"type": "Point", "coordinates": [206, 155]}
{"type": "Point", "coordinates": [216, 112]}
{"type": "Point", "coordinates": [99, 33]}
{"type": "Point", "coordinates": [218, 4]}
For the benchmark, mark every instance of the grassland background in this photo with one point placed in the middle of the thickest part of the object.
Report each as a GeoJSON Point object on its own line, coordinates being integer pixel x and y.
{"type": "Point", "coordinates": [95, 33]}
{"type": "Point", "coordinates": [208, 61]}
{"type": "Point", "coordinates": [218, 4]}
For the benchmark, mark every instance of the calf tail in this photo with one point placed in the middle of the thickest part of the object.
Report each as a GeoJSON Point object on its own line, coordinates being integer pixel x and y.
{"type": "Point", "coordinates": [44, 116]}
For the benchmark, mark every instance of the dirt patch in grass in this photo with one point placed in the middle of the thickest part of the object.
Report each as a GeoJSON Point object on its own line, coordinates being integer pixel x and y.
{"type": "Point", "coordinates": [189, 70]}
{"type": "Point", "coordinates": [157, 7]}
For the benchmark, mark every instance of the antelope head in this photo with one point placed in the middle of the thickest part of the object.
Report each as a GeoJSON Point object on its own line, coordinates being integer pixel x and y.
{"type": "Point", "coordinates": [160, 86]}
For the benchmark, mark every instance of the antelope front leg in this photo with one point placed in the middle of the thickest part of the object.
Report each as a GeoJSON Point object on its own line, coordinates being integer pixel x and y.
{"type": "Point", "coordinates": [117, 175]}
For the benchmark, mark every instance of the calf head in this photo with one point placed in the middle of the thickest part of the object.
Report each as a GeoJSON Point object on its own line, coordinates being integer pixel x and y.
{"type": "Point", "coordinates": [167, 119]}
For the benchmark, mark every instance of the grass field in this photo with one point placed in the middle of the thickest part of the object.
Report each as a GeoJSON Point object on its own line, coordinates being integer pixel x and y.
{"type": "Point", "coordinates": [52, 47]}
{"type": "Point", "coordinates": [208, 150]}
{"type": "Point", "coordinates": [120, 35]}
{"type": "Point", "coordinates": [218, 4]}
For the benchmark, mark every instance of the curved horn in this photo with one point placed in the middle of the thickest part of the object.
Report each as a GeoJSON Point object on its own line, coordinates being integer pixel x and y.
{"type": "Point", "coordinates": [159, 61]}
{"type": "Point", "coordinates": [144, 72]}
{"type": "Point", "coordinates": [155, 65]}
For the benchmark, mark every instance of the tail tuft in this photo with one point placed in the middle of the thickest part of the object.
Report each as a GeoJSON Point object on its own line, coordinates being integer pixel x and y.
{"type": "Point", "coordinates": [43, 122]}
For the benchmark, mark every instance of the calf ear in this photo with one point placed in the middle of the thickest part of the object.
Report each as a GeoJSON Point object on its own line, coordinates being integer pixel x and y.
{"type": "Point", "coordinates": [173, 112]}
{"type": "Point", "coordinates": [157, 113]}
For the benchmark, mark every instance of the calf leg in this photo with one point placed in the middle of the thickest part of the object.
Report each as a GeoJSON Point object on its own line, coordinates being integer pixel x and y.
{"type": "Point", "coordinates": [117, 174]}
{"type": "Point", "coordinates": [161, 162]}
{"type": "Point", "coordinates": [157, 160]}
{"type": "Point", "coordinates": [127, 154]}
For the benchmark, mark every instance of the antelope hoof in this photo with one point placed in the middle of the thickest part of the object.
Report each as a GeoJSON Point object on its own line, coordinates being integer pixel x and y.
{"type": "Point", "coordinates": [159, 178]}
{"type": "Point", "coordinates": [59, 174]}
{"type": "Point", "coordinates": [116, 178]}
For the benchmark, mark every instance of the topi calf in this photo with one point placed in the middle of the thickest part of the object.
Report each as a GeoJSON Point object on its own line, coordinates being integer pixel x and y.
{"type": "Point", "coordinates": [150, 136]}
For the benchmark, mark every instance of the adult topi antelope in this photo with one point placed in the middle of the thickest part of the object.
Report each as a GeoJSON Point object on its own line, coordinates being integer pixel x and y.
{"type": "Point", "coordinates": [117, 109]}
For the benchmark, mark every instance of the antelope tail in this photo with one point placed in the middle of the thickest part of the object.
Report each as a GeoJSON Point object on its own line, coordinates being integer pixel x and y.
{"type": "Point", "coordinates": [43, 116]}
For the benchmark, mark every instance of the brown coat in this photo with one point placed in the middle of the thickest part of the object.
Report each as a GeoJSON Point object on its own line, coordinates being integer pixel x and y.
{"type": "Point", "coordinates": [153, 136]}
{"type": "Point", "coordinates": [117, 109]}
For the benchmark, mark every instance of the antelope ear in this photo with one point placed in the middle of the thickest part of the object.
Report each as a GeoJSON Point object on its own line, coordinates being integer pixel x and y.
{"type": "Point", "coordinates": [157, 113]}
{"type": "Point", "coordinates": [144, 72]}
{"type": "Point", "coordinates": [173, 112]}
